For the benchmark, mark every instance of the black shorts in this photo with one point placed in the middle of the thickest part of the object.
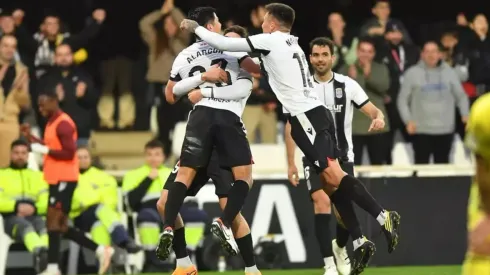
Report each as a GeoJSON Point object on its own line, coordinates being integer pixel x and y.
{"type": "Point", "coordinates": [314, 133]}
{"type": "Point", "coordinates": [61, 195]}
{"type": "Point", "coordinates": [209, 129]}
{"type": "Point", "coordinates": [313, 180]}
{"type": "Point", "coordinates": [222, 178]}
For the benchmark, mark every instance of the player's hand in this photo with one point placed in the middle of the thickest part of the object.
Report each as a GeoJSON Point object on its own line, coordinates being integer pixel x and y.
{"type": "Point", "coordinates": [293, 175]}
{"type": "Point", "coordinates": [25, 130]}
{"type": "Point", "coordinates": [25, 210]}
{"type": "Point", "coordinates": [189, 25]}
{"type": "Point", "coordinates": [39, 148]}
{"type": "Point", "coordinates": [215, 74]}
{"type": "Point", "coordinates": [195, 96]}
{"type": "Point", "coordinates": [377, 124]}
{"type": "Point", "coordinates": [479, 238]}
{"type": "Point", "coordinates": [411, 128]}
{"type": "Point", "coordinates": [153, 173]}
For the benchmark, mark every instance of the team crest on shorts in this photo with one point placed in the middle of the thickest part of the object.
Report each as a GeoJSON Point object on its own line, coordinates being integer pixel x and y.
{"type": "Point", "coordinates": [338, 92]}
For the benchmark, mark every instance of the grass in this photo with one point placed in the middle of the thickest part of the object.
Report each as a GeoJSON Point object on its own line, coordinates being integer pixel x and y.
{"type": "Point", "coordinates": [425, 270]}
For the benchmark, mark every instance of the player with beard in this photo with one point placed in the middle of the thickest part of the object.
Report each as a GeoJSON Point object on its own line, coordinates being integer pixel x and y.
{"type": "Point", "coordinates": [341, 95]}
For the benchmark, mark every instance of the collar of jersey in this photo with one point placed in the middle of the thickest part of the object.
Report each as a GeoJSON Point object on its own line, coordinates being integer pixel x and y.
{"type": "Point", "coordinates": [331, 79]}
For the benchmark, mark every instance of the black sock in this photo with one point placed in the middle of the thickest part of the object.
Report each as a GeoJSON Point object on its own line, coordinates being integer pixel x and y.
{"type": "Point", "coordinates": [236, 199]}
{"type": "Point", "coordinates": [345, 210]}
{"type": "Point", "coordinates": [80, 238]}
{"type": "Point", "coordinates": [176, 196]}
{"type": "Point", "coordinates": [54, 247]}
{"type": "Point", "coordinates": [322, 230]}
{"type": "Point", "coordinates": [179, 245]}
{"type": "Point", "coordinates": [246, 247]}
{"type": "Point", "coordinates": [357, 192]}
{"type": "Point", "coordinates": [342, 236]}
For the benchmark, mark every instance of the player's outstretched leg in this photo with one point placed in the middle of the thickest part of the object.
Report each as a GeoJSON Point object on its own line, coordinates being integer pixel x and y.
{"type": "Point", "coordinates": [350, 188]}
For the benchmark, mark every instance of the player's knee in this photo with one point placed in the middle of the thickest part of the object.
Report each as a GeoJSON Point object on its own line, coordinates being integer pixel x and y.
{"type": "Point", "coordinates": [185, 175]}
{"type": "Point", "coordinates": [53, 219]}
{"type": "Point", "coordinates": [64, 224]}
{"type": "Point", "coordinates": [321, 202]}
{"type": "Point", "coordinates": [243, 173]}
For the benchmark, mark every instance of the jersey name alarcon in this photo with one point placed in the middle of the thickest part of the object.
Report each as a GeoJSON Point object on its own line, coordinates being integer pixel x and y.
{"type": "Point", "coordinates": [354, 96]}
{"type": "Point", "coordinates": [287, 68]}
{"type": "Point", "coordinates": [198, 58]}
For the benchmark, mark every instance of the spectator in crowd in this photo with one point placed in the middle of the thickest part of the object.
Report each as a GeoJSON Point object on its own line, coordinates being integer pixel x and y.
{"type": "Point", "coordinates": [376, 26]}
{"type": "Point", "coordinates": [429, 93]}
{"type": "Point", "coordinates": [160, 30]}
{"type": "Point", "coordinates": [14, 95]}
{"type": "Point", "coordinates": [75, 90]}
{"type": "Point", "coordinates": [23, 199]}
{"type": "Point", "coordinates": [257, 18]}
{"type": "Point", "coordinates": [260, 113]}
{"type": "Point", "coordinates": [7, 24]}
{"type": "Point", "coordinates": [456, 58]}
{"type": "Point", "coordinates": [373, 77]}
{"type": "Point", "coordinates": [142, 187]}
{"type": "Point", "coordinates": [345, 41]}
{"type": "Point", "coordinates": [398, 56]}
{"type": "Point", "coordinates": [478, 48]}
{"type": "Point", "coordinates": [42, 45]}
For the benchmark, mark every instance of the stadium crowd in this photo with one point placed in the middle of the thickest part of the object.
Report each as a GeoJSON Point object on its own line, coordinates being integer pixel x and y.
{"type": "Point", "coordinates": [53, 59]}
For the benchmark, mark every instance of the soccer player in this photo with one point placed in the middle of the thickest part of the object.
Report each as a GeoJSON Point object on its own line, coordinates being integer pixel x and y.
{"type": "Point", "coordinates": [340, 94]}
{"type": "Point", "coordinates": [222, 177]}
{"type": "Point", "coordinates": [312, 125]}
{"type": "Point", "coordinates": [478, 140]}
{"type": "Point", "coordinates": [61, 172]}
{"type": "Point", "coordinates": [213, 123]}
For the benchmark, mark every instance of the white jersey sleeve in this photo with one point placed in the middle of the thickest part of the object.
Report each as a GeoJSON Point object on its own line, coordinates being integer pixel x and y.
{"type": "Point", "coordinates": [176, 71]}
{"type": "Point", "coordinates": [260, 43]}
{"type": "Point", "coordinates": [359, 96]}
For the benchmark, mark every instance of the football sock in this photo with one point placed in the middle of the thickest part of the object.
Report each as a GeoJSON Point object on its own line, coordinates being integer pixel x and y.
{"type": "Point", "coordinates": [54, 248]}
{"type": "Point", "coordinates": [80, 238]}
{"type": "Point", "coordinates": [357, 192]}
{"type": "Point", "coordinates": [322, 231]}
{"type": "Point", "coordinates": [342, 236]}
{"type": "Point", "coordinates": [349, 219]}
{"type": "Point", "coordinates": [175, 199]}
{"type": "Point", "coordinates": [179, 245]}
{"type": "Point", "coordinates": [184, 262]}
{"type": "Point", "coordinates": [236, 199]}
{"type": "Point", "coordinates": [245, 245]}
{"type": "Point", "coordinates": [329, 261]}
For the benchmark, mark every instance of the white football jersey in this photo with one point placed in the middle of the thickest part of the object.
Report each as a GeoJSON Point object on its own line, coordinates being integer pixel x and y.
{"type": "Point", "coordinates": [198, 58]}
{"type": "Point", "coordinates": [287, 69]}
{"type": "Point", "coordinates": [355, 97]}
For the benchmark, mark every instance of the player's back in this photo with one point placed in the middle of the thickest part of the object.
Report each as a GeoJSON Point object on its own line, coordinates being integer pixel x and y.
{"type": "Point", "coordinates": [200, 57]}
{"type": "Point", "coordinates": [287, 68]}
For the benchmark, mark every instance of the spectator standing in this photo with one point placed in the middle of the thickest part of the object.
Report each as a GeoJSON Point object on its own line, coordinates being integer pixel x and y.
{"type": "Point", "coordinates": [429, 93]}
{"type": "Point", "coordinates": [161, 32]}
{"type": "Point", "coordinates": [14, 95]}
{"type": "Point", "coordinates": [7, 26]}
{"type": "Point", "coordinates": [398, 56]}
{"type": "Point", "coordinates": [42, 45]}
{"type": "Point", "coordinates": [376, 26]}
{"type": "Point", "coordinates": [478, 49]}
{"type": "Point", "coordinates": [345, 41]}
{"type": "Point", "coordinates": [75, 90]}
{"type": "Point", "coordinates": [373, 77]}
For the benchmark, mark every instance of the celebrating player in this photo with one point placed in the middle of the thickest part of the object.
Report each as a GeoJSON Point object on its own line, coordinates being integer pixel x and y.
{"type": "Point", "coordinates": [222, 177]}
{"type": "Point", "coordinates": [478, 140]}
{"type": "Point", "coordinates": [213, 123]}
{"type": "Point", "coordinates": [61, 172]}
{"type": "Point", "coordinates": [312, 125]}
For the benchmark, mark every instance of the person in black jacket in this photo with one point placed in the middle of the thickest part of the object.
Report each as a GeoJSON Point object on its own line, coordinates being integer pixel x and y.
{"type": "Point", "coordinates": [75, 90]}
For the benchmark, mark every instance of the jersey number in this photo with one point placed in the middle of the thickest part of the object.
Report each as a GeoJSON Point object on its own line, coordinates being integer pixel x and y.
{"type": "Point", "coordinates": [202, 70]}
{"type": "Point", "coordinates": [305, 74]}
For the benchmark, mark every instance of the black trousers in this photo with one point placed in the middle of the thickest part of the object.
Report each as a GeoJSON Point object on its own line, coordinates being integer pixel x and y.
{"type": "Point", "coordinates": [376, 146]}
{"type": "Point", "coordinates": [438, 146]}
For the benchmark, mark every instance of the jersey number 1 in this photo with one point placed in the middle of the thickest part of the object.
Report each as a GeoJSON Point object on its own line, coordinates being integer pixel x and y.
{"type": "Point", "coordinates": [305, 74]}
{"type": "Point", "coordinates": [202, 70]}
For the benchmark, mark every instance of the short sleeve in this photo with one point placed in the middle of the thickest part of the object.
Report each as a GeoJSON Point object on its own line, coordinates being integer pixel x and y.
{"type": "Point", "coordinates": [175, 73]}
{"type": "Point", "coordinates": [260, 43]}
{"type": "Point", "coordinates": [359, 96]}
{"type": "Point", "coordinates": [240, 56]}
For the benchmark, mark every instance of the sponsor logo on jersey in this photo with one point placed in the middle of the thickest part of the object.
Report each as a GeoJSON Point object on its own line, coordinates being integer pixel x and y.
{"type": "Point", "coordinates": [335, 108]}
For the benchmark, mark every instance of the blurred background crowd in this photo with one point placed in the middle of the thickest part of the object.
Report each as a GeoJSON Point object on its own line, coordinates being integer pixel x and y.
{"type": "Point", "coordinates": [109, 61]}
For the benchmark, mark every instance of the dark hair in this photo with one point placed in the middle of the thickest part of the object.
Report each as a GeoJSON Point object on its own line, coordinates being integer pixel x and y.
{"type": "Point", "coordinates": [19, 142]}
{"type": "Point", "coordinates": [153, 144]}
{"type": "Point", "coordinates": [202, 15]}
{"type": "Point", "coordinates": [238, 30]}
{"type": "Point", "coordinates": [50, 94]}
{"type": "Point", "coordinates": [367, 41]}
{"type": "Point", "coordinates": [322, 41]}
{"type": "Point", "coordinates": [437, 43]}
{"type": "Point", "coordinates": [381, 2]}
{"type": "Point", "coordinates": [283, 13]}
